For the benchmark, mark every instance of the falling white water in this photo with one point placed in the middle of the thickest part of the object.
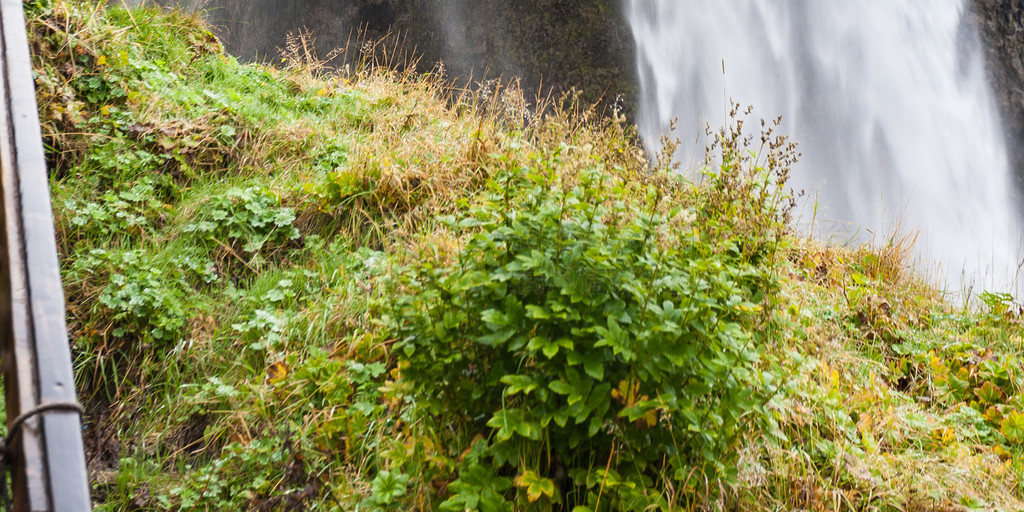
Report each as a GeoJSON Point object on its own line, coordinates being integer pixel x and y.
{"type": "Point", "coordinates": [888, 100]}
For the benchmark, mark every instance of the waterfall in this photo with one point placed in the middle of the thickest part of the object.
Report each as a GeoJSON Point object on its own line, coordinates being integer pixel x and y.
{"type": "Point", "coordinates": [888, 100]}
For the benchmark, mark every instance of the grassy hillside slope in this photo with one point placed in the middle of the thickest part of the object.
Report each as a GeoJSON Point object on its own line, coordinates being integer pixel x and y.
{"type": "Point", "coordinates": [291, 289]}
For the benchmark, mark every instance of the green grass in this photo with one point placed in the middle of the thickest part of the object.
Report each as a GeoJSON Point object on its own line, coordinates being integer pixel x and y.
{"type": "Point", "coordinates": [235, 237]}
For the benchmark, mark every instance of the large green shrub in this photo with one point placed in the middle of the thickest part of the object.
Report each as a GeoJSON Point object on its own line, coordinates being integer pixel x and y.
{"type": "Point", "coordinates": [602, 349]}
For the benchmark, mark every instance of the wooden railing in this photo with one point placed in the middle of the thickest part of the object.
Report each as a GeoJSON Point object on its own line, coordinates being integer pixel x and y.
{"type": "Point", "coordinates": [44, 449]}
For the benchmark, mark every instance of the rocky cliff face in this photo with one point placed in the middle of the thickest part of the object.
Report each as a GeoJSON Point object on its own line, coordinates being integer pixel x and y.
{"type": "Point", "coordinates": [1002, 29]}
{"type": "Point", "coordinates": [550, 45]}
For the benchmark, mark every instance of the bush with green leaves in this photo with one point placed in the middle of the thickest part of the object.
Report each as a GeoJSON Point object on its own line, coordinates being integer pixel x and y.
{"type": "Point", "coordinates": [600, 347]}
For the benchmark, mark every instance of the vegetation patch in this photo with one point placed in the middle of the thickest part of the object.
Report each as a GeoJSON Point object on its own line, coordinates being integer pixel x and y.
{"type": "Point", "coordinates": [299, 288]}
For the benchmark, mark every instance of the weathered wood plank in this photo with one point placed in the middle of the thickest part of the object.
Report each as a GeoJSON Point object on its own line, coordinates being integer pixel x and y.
{"type": "Point", "coordinates": [49, 471]}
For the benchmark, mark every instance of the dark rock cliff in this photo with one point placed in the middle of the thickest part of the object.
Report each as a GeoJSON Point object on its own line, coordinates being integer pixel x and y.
{"type": "Point", "coordinates": [1002, 29]}
{"type": "Point", "coordinates": [551, 45]}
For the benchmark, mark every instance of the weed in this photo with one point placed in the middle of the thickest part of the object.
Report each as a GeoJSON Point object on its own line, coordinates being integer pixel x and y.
{"type": "Point", "coordinates": [243, 224]}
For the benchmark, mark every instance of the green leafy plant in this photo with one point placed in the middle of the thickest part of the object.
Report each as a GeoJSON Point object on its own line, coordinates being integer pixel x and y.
{"type": "Point", "coordinates": [131, 213]}
{"type": "Point", "coordinates": [143, 300]}
{"type": "Point", "coordinates": [1013, 427]}
{"type": "Point", "coordinates": [387, 488]}
{"type": "Point", "coordinates": [245, 221]}
{"type": "Point", "coordinates": [581, 334]}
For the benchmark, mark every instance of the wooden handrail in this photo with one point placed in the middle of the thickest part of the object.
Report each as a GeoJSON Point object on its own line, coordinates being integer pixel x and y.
{"type": "Point", "coordinates": [46, 451]}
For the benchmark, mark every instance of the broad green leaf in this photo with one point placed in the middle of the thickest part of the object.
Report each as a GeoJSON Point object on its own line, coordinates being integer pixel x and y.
{"type": "Point", "coordinates": [1012, 427]}
{"type": "Point", "coordinates": [504, 420]}
{"type": "Point", "coordinates": [497, 337]}
{"type": "Point", "coordinates": [550, 350]}
{"type": "Point", "coordinates": [537, 312]}
{"type": "Point", "coordinates": [593, 365]}
{"type": "Point", "coordinates": [561, 387]}
{"type": "Point", "coordinates": [518, 384]}
{"type": "Point", "coordinates": [989, 393]}
{"type": "Point", "coordinates": [536, 486]}
{"type": "Point", "coordinates": [495, 317]}
{"type": "Point", "coordinates": [529, 429]}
